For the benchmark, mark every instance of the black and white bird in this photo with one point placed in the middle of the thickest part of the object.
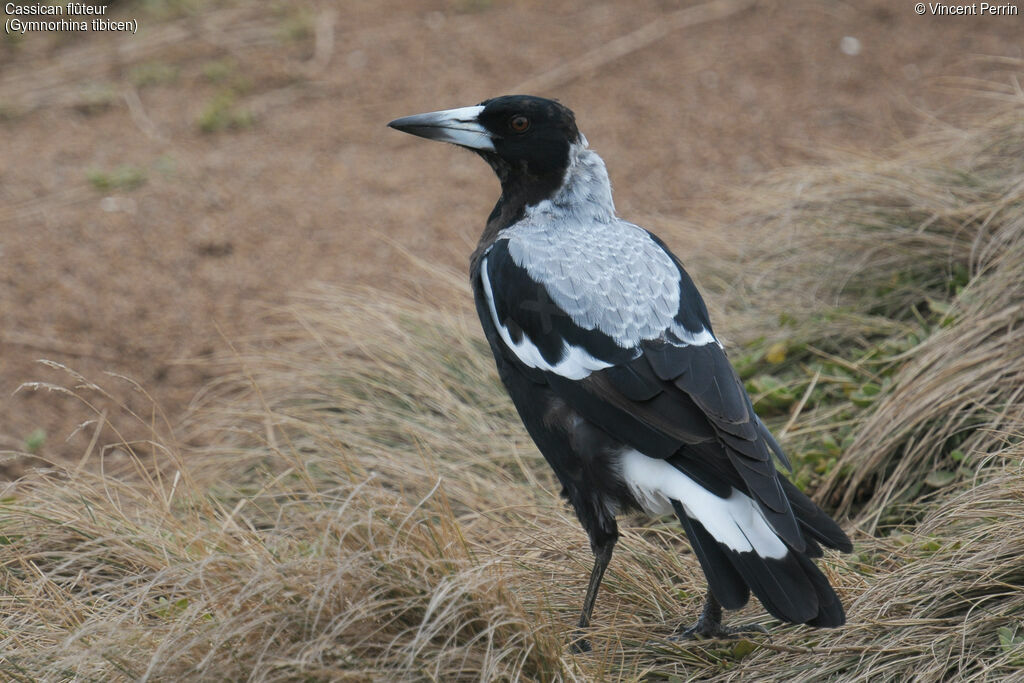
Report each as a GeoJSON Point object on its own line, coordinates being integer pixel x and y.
{"type": "Point", "coordinates": [607, 351]}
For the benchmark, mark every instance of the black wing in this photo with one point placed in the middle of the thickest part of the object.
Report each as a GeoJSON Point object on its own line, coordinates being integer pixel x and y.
{"type": "Point", "coordinates": [664, 397]}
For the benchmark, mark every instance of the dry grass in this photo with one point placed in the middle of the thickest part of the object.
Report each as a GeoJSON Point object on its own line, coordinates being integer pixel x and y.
{"type": "Point", "coordinates": [330, 529]}
{"type": "Point", "coordinates": [922, 260]}
{"type": "Point", "coordinates": [357, 500]}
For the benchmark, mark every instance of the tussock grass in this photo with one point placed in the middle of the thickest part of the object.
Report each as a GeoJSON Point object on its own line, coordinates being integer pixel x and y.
{"type": "Point", "coordinates": [311, 538]}
{"type": "Point", "coordinates": [941, 602]}
{"type": "Point", "coordinates": [355, 498]}
{"type": "Point", "coordinates": [913, 367]}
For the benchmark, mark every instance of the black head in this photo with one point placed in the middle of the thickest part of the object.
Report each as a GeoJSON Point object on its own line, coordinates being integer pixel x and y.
{"type": "Point", "coordinates": [525, 139]}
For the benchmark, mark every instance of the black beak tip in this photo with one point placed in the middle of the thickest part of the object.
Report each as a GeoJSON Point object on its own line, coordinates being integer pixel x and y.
{"type": "Point", "coordinates": [406, 123]}
{"type": "Point", "coordinates": [401, 126]}
{"type": "Point", "coordinates": [415, 127]}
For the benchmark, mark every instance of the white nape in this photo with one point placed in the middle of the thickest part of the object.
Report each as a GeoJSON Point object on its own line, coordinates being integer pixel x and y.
{"type": "Point", "coordinates": [736, 521]}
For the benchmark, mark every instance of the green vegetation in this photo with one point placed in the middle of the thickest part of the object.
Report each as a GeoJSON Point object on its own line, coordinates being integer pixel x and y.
{"type": "Point", "coordinates": [359, 501]}
{"type": "Point", "coordinates": [223, 113]}
{"type": "Point", "coordinates": [95, 98]}
{"type": "Point", "coordinates": [220, 70]}
{"type": "Point", "coordinates": [153, 73]}
{"type": "Point", "coordinates": [124, 177]}
{"type": "Point", "coordinates": [34, 441]}
{"type": "Point", "coordinates": [909, 376]}
{"type": "Point", "coordinates": [227, 73]}
{"type": "Point", "coordinates": [296, 23]}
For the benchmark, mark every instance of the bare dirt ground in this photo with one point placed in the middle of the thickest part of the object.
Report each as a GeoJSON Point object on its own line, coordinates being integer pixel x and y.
{"type": "Point", "coordinates": [157, 191]}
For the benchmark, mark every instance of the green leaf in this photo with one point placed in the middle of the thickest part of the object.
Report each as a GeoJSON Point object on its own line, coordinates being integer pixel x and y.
{"type": "Point", "coordinates": [770, 393]}
{"type": "Point", "coordinates": [902, 538]}
{"type": "Point", "coordinates": [830, 445]}
{"type": "Point", "coordinates": [35, 440]}
{"type": "Point", "coordinates": [865, 395]}
{"type": "Point", "coordinates": [1006, 639]}
{"type": "Point", "coordinates": [742, 648]}
{"type": "Point", "coordinates": [939, 478]}
{"type": "Point", "coordinates": [1012, 642]}
{"type": "Point", "coordinates": [940, 308]}
{"type": "Point", "coordinates": [776, 353]}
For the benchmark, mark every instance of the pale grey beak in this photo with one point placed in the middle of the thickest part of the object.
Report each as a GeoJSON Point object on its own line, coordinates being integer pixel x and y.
{"type": "Point", "coordinates": [458, 126]}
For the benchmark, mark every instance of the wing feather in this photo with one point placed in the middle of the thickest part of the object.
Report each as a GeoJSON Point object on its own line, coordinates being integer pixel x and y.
{"type": "Point", "coordinates": [659, 397]}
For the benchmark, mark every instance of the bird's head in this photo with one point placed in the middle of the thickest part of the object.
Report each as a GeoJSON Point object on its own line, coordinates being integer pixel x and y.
{"type": "Point", "coordinates": [526, 140]}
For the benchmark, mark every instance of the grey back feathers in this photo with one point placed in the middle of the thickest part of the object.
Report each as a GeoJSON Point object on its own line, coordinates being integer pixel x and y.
{"type": "Point", "coordinates": [605, 273]}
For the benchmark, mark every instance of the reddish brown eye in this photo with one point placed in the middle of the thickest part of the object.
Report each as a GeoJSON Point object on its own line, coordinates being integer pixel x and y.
{"type": "Point", "coordinates": [519, 123]}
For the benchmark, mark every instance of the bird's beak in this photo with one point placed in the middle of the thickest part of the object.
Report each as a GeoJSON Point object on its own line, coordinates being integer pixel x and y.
{"type": "Point", "coordinates": [458, 126]}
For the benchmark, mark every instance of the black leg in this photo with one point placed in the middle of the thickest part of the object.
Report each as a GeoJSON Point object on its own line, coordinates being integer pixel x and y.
{"type": "Point", "coordinates": [602, 556]}
{"type": "Point", "coordinates": [709, 625]}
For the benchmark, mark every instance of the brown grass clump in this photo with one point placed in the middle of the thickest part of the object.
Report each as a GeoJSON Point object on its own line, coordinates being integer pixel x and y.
{"type": "Point", "coordinates": [356, 499]}
{"type": "Point", "coordinates": [943, 602]}
{"type": "Point", "coordinates": [320, 535]}
{"type": "Point", "coordinates": [911, 370]}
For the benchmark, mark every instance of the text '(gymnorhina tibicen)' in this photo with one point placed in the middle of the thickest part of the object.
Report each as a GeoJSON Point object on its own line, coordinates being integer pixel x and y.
{"type": "Point", "coordinates": [607, 351]}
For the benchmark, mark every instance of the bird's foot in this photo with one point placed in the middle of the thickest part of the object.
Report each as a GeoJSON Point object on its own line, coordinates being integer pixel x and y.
{"type": "Point", "coordinates": [579, 643]}
{"type": "Point", "coordinates": [704, 630]}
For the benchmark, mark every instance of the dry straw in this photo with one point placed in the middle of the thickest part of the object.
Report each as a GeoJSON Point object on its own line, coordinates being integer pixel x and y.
{"type": "Point", "coordinates": [356, 500]}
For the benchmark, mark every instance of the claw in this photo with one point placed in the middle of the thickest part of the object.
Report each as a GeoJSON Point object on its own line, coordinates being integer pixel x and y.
{"type": "Point", "coordinates": [709, 625]}
{"type": "Point", "coordinates": [701, 631]}
{"type": "Point", "coordinates": [580, 644]}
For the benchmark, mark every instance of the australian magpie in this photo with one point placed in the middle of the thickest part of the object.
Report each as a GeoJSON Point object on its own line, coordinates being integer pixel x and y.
{"type": "Point", "coordinates": [607, 351]}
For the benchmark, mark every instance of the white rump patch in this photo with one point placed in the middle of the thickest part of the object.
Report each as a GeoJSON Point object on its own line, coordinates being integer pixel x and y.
{"type": "Point", "coordinates": [736, 521]}
{"type": "Point", "coordinates": [575, 362]}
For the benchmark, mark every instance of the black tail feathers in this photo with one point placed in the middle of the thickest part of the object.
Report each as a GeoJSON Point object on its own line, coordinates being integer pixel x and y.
{"type": "Point", "coordinates": [813, 520]}
{"type": "Point", "coordinates": [790, 587]}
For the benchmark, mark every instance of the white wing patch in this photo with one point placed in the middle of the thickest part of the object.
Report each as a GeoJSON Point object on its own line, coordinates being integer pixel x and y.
{"type": "Point", "coordinates": [575, 363]}
{"type": "Point", "coordinates": [694, 338]}
{"type": "Point", "coordinates": [736, 521]}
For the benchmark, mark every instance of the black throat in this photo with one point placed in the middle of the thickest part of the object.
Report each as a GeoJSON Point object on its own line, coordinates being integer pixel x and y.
{"type": "Point", "coordinates": [520, 188]}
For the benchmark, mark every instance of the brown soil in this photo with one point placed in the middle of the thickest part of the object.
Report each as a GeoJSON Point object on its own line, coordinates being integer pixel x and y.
{"type": "Point", "coordinates": [134, 241]}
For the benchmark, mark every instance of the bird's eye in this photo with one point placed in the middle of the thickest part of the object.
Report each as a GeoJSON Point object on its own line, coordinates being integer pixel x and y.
{"type": "Point", "coordinates": [519, 123]}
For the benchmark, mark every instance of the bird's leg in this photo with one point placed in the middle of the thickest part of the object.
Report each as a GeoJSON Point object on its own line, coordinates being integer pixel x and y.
{"type": "Point", "coordinates": [709, 625]}
{"type": "Point", "coordinates": [710, 621]}
{"type": "Point", "coordinates": [602, 555]}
